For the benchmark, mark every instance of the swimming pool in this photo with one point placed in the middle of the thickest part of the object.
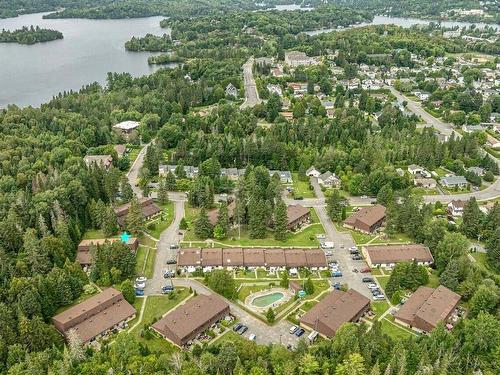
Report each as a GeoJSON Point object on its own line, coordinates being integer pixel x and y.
{"type": "Point", "coordinates": [268, 299]}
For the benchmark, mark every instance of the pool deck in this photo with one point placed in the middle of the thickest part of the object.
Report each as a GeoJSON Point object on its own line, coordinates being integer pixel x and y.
{"type": "Point", "coordinates": [287, 295]}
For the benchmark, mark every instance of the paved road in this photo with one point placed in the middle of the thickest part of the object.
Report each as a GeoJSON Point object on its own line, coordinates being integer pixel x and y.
{"type": "Point", "coordinates": [133, 173]}
{"type": "Point", "coordinates": [489, 193]}
{"type": "Point", "coordinates": [342, 256]}
{"type": "Point", "coordinates": [317, 188]}
{"type": "Point", "coordinates": [169, 236]}
{"type": "Point", "coordinates": [251, 93]}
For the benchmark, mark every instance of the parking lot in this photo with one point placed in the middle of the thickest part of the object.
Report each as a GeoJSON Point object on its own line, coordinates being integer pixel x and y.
{"type": "Point", "coordinates": [340, 253]}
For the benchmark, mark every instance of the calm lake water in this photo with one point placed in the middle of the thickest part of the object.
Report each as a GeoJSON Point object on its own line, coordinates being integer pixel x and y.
{"type": "Point", "coordinates": [31, 75]}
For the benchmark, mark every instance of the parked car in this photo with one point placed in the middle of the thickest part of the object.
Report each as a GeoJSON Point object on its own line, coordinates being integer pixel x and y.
{"type": "Point", "coordinates": [365, 270]}
{"type": "Point", "coordinates": [237, 327]}
{"type": "Point", "coordinates": [320, 236]}
{"type": "Point", "coordinates": [372, 286]}
{"type": "Point", "coordinates": [353, 251]}
{"type": "Point", "coordinates": [293, 329]}
{"type": "Point", "coordinates": [299, 332]}
{"type": "Point", "coordinates": [243, 329]}
{"type": "Point", "coordinates": [328, 253]}
{"type": "Point", "coordinates": [252, 337]}
{"type": "Point", "coordinates": [367, 279]}
{"type": "Point", "coordinates": [336, 286]}
{"type": "Point", "coordinates": [353, 248]}
{"type": "Point", "coordinates": [337, 274]}
{"type": "Point", "coordinates": [357, 257]}
{"type": "Point", "coordinates": [139, 285]}
{"type": "Point", "coordinates": [168, 274]}
{"type": "Point", "coordinates": [141, 279]}
{"type": "Point", "coordinates": [139, 292]}
{"type": "Point", "coordinates": [376, 292]}
{"type": "Point", "coordinates": [171, 261]}
{"type": "Point", "coordinates": [167, 289]}
{"type": "Point", "coordinates": [174, 247]}
{"type": "Point", "coordinates": [378, 297]}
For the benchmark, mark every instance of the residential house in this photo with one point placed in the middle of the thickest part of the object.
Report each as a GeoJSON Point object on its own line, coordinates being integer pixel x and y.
{"type": "Point", "coordinates": [453, 182]}
{"type": "Point", "coordinates": [427, 307]}
{"type": "Point", "coordinates": [296, 58]}
{"type": "Point", "coordinates": [327, 104]}
{"type": "Point", "coordinates": [297, 216]}
{"type": "Point", "coordinates": [188, 320]}
{"type": "Point", "coordinates": [83, 253]}
{"type": "Point", "coordinates": [285, 104]}
{"type": "Point", "coordinates": [231, 90]}
{"type": "Point", "coordinates": [417, 170]}
{"type": "Point", "coordinates": [190, 171]}
{"type": "Point", "coordinates": [329, 179]}
{"type": "Point", "coordinates": [428, 183]}
{"type": "Point", "coordinates": [277, 72]}
{"type": "Point", "coordinates": [287, 115]}
{"type": "Point", "coordinates": [456, 207]}
{"type": "Point", "coordinates": [312, 172]}
{"type": "Point", "coordinates": [125, 128]}
{"type": "Point", "coordinates": [96, 316]}
{"type": "Point", "coordinates": [148, 208]}
{"type": "Point", "coordinates": [285, 176]}
{"type": "Point", "coordinates": [331, 312]}
{"type": "Point", "coordinates": [102, 161]}
{"type": "Point", "coordinates": [388, 255]}
{"type": "Point", "coordinates": [274, 89]}
{"type": "Point", "coordinates": [477, 170]}
{"type": "Point", "coordinates": [366, 219]}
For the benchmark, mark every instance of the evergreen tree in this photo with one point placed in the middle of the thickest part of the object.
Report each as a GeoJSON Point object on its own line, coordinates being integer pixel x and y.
{"type": "Point", "coordinates": [334, 205]}
{"type": "Point", "coordinates": [202, 227]}
{"type": "Point", "coordinates": [385, 195]}
{"type": "Point", "coordinates": [128, 291]}
{"type": "Point", "coordinates": [270, 315]}
{"type": "Point", "coordinates": [170, 182]}
{"type": "Point", "coordinates": [162, 192]}
{"type": "Point", "coordinates": [223, 220]}
{"type": "Point", "coordinates": [472, 219]}
{"type": "Point", "coordinates": [109, 225]}
{"type": "Point", "coordinates": [280, 220]}
{"type": "Point", "coordinates": [126, 190]}
{"type": "Point", "coordinates": [285, 282]}
{"type": "Point", "coordinates": [493, 250]}
{"type": "Point", "coordinates": [258, 218]}
{"type": "Point", "coordinates": [134, 221]}
{"type": "Point", "coordinates": [309, 286]}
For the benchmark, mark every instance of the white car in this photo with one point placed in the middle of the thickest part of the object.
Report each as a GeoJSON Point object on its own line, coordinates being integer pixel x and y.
{"type": "Point", "coordinates": [139, 285]}
{"type": "Point", "coordinates": [378, 297]}
{"type": "Point", "coordinates": [353, 248]}
{"type": "Point", "coordinates": [328, 253]}
{"type": "Point", "coordinates": [293, 329]}
{"type": "Point", "coordinates": [252, 337]}
{"type": "Point", "coordinates": [141, 279]}
{"type": "Point", "coordinates": [372, 286]}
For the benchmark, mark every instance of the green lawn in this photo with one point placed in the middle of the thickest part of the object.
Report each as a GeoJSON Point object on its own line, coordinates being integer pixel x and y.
{"type": "Point", "coordinates": [361, 238]}
{"type": "Point", "coordinates": [145, 261]}
{"type": "Point", "coordinates": [382, 280]}
{"type": "Point", "coordinates": [133, 152]}
{"type": "Point", "coordinates": [301, 188]}
{"type": "Point", "coordinates": [379, 308]}
{"type": "Point", "coordinates": [230, 336]}
{"type": "Point", "coordinates": [137, 306]}
{"type": "Point", "coordinates": [157, 226]}
{"type": "Point", "coordinates": [157, 306]}
{"type": "Point", "coordinates": [395, 331]}
{"type": "Point", "coordinates": [93, 234]}
{"type": "Point", "coordinates": [247, 274]}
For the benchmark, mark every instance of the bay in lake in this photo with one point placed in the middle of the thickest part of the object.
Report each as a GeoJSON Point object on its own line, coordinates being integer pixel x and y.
{"type": "Point", "coordinates": [31, 75]}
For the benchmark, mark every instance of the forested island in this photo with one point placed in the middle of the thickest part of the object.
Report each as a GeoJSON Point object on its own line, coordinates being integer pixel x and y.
{"type": "Point", "coordinates": [29, 35]}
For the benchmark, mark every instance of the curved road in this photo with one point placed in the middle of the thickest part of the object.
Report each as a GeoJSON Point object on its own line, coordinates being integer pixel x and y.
{"type": "Point", "coordinates": [133, 173]}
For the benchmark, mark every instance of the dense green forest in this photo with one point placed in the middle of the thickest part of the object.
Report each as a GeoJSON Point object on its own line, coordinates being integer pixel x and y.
{"type": "Point", "coordinates": [29, 35]}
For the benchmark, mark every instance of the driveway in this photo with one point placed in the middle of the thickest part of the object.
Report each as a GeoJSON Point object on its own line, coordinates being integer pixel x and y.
{"type": "Point", "coordinates": [251, 93]}
{"type": "Point", "coordinates": [133, 173]}
{"type": "Point", "coordinates": [342, 256]}
{"type": "Point", "coordinates": [169, 236]}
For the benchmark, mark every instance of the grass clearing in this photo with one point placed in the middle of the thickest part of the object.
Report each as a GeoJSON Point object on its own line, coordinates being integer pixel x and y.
{"type": "Point", "coordinates": [93, 234]}
{"type": "Point", "coordinates": [156, 226]}
{"type": "Point", "coordinates": [145, 261]}
{"type": "Point", "coordinates": [379, 308]}
{"type": "Point", "coordinates": [382, 280]}
{"type": "Point", "coordinates": [301, 188]}
{"type": "Point", "coordinates": [394, 330]}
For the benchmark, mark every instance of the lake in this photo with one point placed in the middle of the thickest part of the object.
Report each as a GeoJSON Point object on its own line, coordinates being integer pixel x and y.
{"type": "Point", "coordinates": [31, 75]}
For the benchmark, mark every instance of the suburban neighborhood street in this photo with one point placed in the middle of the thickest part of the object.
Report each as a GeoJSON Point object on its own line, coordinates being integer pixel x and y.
{"type": "Point", "coordinates": [251, 93]}
{"type": "Point", "coordinates": [133, 173]}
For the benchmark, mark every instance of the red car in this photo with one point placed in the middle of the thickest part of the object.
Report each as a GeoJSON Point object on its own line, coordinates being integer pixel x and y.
{"type": "Point", "coordinates": [365, 270]}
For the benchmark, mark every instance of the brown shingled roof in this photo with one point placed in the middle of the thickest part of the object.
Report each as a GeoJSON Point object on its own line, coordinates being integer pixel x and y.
{"type": "Point", "coordinates": [315, 258]}
{"type": "Point", "coordinates": [335, 309]}
{"type": "Point", "coordinates": [211, 257]}
{"type": "Point", "coordinates": [95, 315]}
{"type": "Point", "coordinates": [274, 257]}
{"type": "Point", "coordinates": [295, 212]}
{"type": "Point", "coordinates": [427, 307]}
{"type": "Point", "coordinates": [232, 257]}
{"type": "Point", "coordinates": [398, 253]}
{"type": "Point", "coordinates": [367, 215]}
{"type": "Point", "coordinates": [189, 257]}
{"type": "Point", "coordinates": [295, 258]}
{"type": "Point", "coordinates": [189, 319]}
{"type": "Point", "coordinates": [254, 257]}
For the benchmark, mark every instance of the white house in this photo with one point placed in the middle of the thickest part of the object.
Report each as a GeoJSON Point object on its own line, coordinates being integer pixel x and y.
{"type": "Point", "coordinates": [456, 207]}
{"type": "Point", "coordinates": [312, 172]}
{"type": "Point", "coordinates": [328, 179]}
{"type": "Point", "coordinates": [231, 90]}
{"type": "Point", "coordinates": [477, 170]}
{"type": "Point", "coordinates": [274, 89]}
{"type": "Point", "coordinates": [454, 181]}
{"type": "Point", "coordinates": [296, 58]}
